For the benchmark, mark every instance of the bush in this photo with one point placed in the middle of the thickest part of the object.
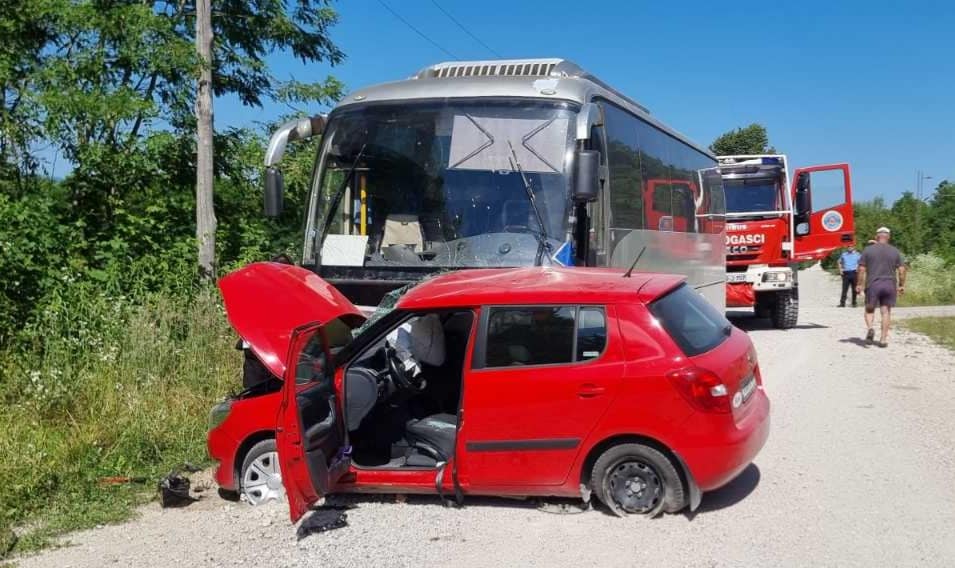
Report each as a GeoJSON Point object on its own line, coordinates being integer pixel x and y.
{"type": "Point", "coordinates": [930, 281]}
{"type": "Point", "coordinates": [106, 385]}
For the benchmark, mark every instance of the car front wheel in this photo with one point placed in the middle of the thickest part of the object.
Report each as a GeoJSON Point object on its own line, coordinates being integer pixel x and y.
{"type": "Point", "coordinates": [635, 479]}
{"type": "Point", "coordinates": [261, 479]}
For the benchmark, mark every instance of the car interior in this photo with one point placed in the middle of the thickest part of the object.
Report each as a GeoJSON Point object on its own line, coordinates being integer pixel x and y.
{"type": "Point", "coordinates": [403, 391]}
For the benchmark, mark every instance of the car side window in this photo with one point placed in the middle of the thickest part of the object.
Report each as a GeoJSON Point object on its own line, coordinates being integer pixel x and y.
{"type": "Point", "coordinates": [543, 335]}
{"type": "Point", "coordinates": [591, 333]}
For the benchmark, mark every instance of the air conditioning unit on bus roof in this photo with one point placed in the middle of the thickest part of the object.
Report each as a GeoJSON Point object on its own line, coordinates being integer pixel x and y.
{"type": "Point", "coordinates": [502, 68]}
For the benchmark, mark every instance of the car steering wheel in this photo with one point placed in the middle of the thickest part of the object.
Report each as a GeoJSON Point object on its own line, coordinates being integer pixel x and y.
{"type": "Point", "coordinates": [401, 376]}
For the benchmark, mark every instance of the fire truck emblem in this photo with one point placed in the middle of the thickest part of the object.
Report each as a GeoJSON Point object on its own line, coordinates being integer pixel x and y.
{"type": "Point", "coordinates": [832, 221]}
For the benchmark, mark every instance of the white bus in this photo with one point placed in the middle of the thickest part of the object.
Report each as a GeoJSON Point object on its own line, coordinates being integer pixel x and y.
{"type": "Point", "coordinates": [497, 164]}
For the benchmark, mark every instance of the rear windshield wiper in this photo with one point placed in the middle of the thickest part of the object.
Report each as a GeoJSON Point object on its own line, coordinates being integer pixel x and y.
{"type": "Point", "coordinates": [542, 236]}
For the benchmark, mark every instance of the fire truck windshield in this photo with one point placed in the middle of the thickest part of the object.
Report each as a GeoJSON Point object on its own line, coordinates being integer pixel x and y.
{"type": "Point", "coordinates": [436, 184]}
{"type": "Point", "coordinates": [752, 195]}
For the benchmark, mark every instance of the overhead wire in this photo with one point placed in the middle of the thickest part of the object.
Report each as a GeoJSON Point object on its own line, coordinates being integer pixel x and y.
{"type": "Point", "coordinates": [416, 30]}
{"type": "Point", "coordinates": [465, 29]}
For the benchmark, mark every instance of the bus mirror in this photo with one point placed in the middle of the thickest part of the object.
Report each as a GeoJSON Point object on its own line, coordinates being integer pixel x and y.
{"type": "Point", "coordinates": [300, 129]}
{"type": "Point", "coordinates": [587, 178]}
{"type": "Point", "coordinates": [274, 192]}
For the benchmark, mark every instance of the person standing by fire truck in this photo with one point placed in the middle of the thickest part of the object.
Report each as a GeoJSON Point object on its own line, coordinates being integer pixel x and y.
{"type": "Point", "coordinates": [848, 265]}
{"type": "Point", "coordinates": [882, 275]}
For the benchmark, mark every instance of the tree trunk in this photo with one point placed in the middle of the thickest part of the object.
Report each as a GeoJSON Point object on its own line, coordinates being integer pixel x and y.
{"type": "Point", "coordinates": [205, 213]}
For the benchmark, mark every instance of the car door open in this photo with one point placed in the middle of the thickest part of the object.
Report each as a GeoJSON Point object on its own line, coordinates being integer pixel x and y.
{"type": "Point", "coordinates": [309, 433]}
{"type": "Point", "coordinates": [824, 221]}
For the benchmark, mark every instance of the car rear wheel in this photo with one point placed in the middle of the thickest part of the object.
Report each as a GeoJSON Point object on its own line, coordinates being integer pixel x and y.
{"type": "Point", "coordinates": [261, 479]}
{"type": "Point", "coordinates": [635, 479]}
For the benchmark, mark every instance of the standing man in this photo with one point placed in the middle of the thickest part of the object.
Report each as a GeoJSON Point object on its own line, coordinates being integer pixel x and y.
{"type": "Point", "coordinates": [848, 265]}
{"type": "Point", "coordinates": [882, 275]}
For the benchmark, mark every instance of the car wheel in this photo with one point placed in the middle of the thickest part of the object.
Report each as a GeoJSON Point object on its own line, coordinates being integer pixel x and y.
{"type": "Point", "coordinates": [261, 479]}
{"type": "Point", "coordinates": [634, 479]}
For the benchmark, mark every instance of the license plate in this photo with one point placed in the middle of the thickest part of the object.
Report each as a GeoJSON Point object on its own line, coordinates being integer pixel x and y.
{"type": "Point", "coordinates": [736, 277]}
{"type": "Point", "coordinates": [748, 388]}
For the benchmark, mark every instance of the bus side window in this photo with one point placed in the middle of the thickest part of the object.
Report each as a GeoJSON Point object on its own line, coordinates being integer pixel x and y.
{"type": "Point", "coordinates": [626, 177]}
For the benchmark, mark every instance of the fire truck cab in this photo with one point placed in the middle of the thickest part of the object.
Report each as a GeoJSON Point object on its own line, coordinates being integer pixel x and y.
{"type": "Point", "coordinates": [771, 225]}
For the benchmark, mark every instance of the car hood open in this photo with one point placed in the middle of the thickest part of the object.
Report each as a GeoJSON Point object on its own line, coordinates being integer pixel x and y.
{"type": "Point", "coordinates": [266, 301]}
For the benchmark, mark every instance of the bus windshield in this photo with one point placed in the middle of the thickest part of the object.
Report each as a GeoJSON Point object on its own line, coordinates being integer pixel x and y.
{"type": "Point", "coordinates": [751, 195]}
{"type": "Point", "coordinates": [440, 184]}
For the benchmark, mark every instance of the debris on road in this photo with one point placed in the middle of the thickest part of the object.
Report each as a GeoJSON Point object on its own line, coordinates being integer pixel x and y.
{"type": "Point", "coordinates": [174, 488]}
{"type": "Point", "coordinates": [323, 519]}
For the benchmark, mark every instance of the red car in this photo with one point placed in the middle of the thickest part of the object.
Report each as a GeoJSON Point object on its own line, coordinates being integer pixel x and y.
{"type": "Point", "coordinates": [525, 381]}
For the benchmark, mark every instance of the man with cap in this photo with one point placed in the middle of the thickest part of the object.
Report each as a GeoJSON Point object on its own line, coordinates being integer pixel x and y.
{"type": "Point", "coordinates": [882, 275]}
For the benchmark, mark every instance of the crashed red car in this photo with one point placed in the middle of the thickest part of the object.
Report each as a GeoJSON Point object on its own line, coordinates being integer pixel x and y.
{"type": "Point", "coordinates": [525, 381]}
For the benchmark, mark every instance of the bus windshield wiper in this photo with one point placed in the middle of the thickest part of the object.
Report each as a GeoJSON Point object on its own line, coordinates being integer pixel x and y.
{"type": "Point", "coordinates": [542, 235]}
{"type": "Point", "coordinates": [336, 199]}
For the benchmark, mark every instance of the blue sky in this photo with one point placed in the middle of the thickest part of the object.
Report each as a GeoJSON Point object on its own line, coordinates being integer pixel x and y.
{"type": "Point", "coordinates": [871, 83]}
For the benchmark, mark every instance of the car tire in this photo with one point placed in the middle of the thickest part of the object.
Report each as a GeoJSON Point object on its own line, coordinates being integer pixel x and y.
{"type": "Point", "coordinates": [636, 479]}
{"type": "Point", "coordinates": [260, 479]}
{"type": "Point", "coordinates": [785, 311]}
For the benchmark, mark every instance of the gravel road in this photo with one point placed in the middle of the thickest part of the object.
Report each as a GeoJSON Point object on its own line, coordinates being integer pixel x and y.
{"type": "Point", "coordinates": [858, 471]}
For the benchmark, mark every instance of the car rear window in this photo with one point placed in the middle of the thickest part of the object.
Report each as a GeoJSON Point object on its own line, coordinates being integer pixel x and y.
{"type": "Point", "coordinates": [693, 323]}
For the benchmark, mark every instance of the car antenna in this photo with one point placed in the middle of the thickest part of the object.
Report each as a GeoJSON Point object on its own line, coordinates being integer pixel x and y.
{"type": "Point", "coordinates": [635, 261]}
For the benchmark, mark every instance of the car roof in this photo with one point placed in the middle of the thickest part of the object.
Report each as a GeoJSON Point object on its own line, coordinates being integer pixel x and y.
{"type": "Point", "coordinates": [536, 285]}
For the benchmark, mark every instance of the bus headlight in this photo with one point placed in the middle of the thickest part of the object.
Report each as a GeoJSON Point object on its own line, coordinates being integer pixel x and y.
{"type": "Point", "coordinates": [776, 276]}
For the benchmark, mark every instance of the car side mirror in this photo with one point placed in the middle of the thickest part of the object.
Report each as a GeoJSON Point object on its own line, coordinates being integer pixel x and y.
{"type": "Point", "coordinates": [802, 229]}
{"type": "Point", "coordinates": [587, 175]}
{"type": "Point", "coordinates": [274, 192]}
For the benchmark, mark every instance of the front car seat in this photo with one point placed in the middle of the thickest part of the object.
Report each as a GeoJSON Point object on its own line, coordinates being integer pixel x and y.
{"type": "Point", "coordinates": [434, 434]}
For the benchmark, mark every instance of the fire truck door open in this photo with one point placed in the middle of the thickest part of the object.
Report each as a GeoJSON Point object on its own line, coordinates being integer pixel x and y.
{"type": "Point", "coordinates": [824, 221]}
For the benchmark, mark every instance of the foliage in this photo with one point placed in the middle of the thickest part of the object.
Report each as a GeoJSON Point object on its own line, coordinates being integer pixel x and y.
{"type": "Point", "coordinates": [930, 281]}
{"type": "Point", "coordinates": [114, 385]}
{"type": "Point", "coordinates": [940, 329]}
{"type": "Point", "coordinates": [111, 351]}
{"type": "Point", "coordinates": [751, 139]}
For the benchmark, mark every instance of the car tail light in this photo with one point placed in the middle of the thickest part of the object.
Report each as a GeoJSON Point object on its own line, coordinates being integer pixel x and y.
{"type": "Point", "coordinates": [702, 389]}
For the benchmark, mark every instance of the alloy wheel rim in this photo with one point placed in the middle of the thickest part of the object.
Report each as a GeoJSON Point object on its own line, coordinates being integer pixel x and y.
{"type": "Point", "coordinates": [635, 487]}
{"type": "Point", "coordinates": [262, 480]}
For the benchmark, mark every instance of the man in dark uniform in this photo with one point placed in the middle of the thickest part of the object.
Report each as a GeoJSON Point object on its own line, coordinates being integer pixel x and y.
{"type": "Point", "coordinates": [848, 268]}
{"type": "Point", "coordinates": [882, 276]}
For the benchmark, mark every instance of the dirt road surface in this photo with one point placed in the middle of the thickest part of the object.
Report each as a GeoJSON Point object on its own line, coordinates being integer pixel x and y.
{"type": "Point", "coordinates": [859, 470]}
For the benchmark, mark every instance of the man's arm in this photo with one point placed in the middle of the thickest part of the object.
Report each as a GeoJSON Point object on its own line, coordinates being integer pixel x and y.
{"type": "Point", "coordinates": [860, 278]}
{"type": "Point", "coordinates": [841, 266]}
{"type": "Point", "coordinates": [901, 275]}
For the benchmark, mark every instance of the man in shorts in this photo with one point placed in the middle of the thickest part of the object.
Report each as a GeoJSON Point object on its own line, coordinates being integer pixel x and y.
{"type": "Point", "coordinates": [882, 276]}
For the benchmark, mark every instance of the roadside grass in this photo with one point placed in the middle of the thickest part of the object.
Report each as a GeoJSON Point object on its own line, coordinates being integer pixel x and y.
{"type": "Point", "coordinates": [930, 282]}
{"type": "Point", "coordinates": [939, 329]}
{"type": "Point", "coordinates": [108, 387]}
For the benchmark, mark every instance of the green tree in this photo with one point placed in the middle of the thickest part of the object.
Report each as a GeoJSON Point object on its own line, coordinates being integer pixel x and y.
{"type": "Point", "coordinates": [752, 139]}
{"type": "Point", "coordinates": [941, 221]}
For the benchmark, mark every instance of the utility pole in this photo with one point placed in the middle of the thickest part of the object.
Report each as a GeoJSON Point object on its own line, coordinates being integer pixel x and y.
{"type": "Point", "coordinates": [920, 178]}
{"type": "Point", "coordinates": [205, 213]}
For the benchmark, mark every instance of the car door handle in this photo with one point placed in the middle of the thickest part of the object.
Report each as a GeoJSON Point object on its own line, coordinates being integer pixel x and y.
{"type": "Point", "coordinates": [590, 390]}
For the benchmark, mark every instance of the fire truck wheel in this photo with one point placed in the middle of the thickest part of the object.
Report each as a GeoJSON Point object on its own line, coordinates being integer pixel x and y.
{"type": "Point", "coordinates": [785, 310]}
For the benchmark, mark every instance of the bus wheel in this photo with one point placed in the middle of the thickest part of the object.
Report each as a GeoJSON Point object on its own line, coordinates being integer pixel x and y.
{"type": "Point", "coordinates": [785, 310]}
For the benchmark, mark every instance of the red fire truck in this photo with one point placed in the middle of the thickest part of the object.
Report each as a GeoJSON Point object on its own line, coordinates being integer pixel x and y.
{"type": "Point", "coordinates": [772, 226]}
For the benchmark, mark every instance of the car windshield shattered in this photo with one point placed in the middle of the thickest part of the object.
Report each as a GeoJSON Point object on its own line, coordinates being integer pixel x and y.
{"type": "Point", "coordinates": [442, 184]}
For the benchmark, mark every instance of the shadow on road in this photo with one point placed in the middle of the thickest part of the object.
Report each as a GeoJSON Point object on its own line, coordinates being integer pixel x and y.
{"type": "Point", "coordinates": [730, 494]}
{"type": "Point", "coordinates": [726, 496]}
{"type": "Point", "coordinates": [856, 341]}
{"type": "Point", "coordinates": [753, 323]}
